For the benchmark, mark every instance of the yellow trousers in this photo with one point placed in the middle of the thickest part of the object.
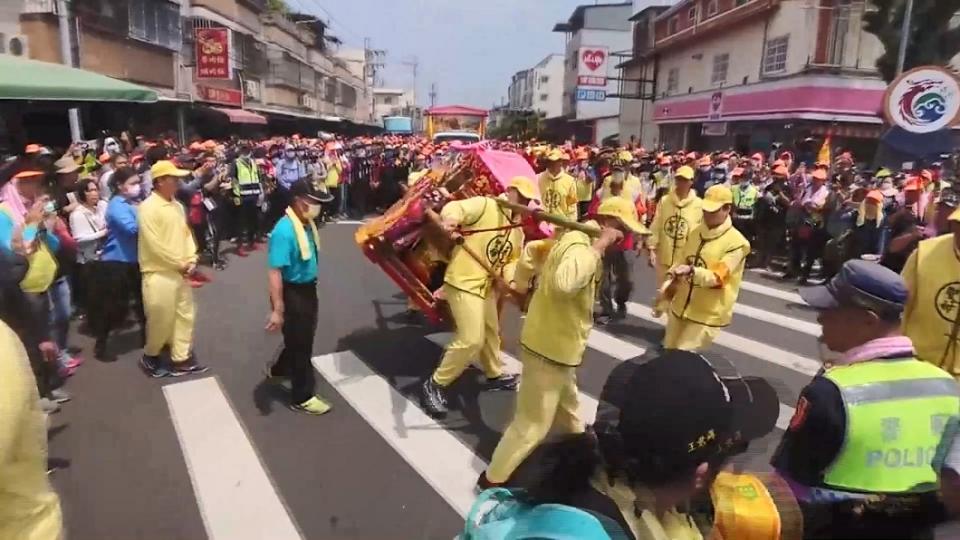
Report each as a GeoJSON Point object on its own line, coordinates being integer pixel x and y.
{"type": "Point", "coordinates": [688, 335]}
{"type": "Point", "coordinates": [168, 305]}
{"type": "Point", "coordinates": [547, 399]}
{"type": "Point", "coordinates": [477, 335]}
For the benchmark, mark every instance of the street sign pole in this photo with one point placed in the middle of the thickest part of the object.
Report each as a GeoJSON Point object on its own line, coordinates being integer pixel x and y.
{"type": "Point", "coordinates": [904, 37]}
{"type": "Point", "coordinates": [73, 114]}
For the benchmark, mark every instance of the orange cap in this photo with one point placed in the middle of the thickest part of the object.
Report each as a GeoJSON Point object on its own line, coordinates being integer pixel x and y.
{"type": "Point", "coordinates": [29, 173]}
{"type": "Point", "coordinates": [781, 171]}
{"type": "Point", "coordinates": [819, 174]}
{"type": "Point", "coordinates": [913, 184]}
{"type": "Point", "coordinates": [875, 195]}
{"type": "Point", "coordinates": [691, 155]}
{"type": "Point", "coordinates": [705, 161]}
{"type": "Point", "coordinates": [758, 156]}
{"type": "Point", "coordinates": [32, 149]}
{"type": "Point", "coordinates": [104, 158]}
{"type": "Point", "coordinates": [738, 171]}
{"type": "Point", "coordinates": [778, 163]}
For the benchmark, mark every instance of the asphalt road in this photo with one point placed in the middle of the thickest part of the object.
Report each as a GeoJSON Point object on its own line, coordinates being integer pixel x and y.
{"type": "Point", "coordinates": [220, 456]}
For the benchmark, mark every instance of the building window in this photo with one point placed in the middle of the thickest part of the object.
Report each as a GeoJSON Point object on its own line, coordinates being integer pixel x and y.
{"type": "Point", "coordinates": [156, 22]}
{"type": "Point", "coordinates": [389, 100]}
{"type": "Point", "coordinates": [720, 64]}
{"type": "Point", "coordinates": [713, 6]}
{"type": "Point", "coordinates": [673, 80]}
{"type": "Point", "coordinates": [544, 79]}
{"type": "Point", "coordinates": [544, 97]}
{"type": "Point", "coordinates": [674, 25]}
{"type": "Point", "coordinates": [775, 55]}
{"type": "Point", "coordinates": [692, 14]}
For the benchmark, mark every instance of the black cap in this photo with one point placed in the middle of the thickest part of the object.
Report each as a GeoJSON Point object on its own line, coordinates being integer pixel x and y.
{"type": "Point", "coordinates": [861, 284]}
{"type": "Point", "coordinates": [306, 189]}
{"type": "Point", "coordinates": [671, 410]}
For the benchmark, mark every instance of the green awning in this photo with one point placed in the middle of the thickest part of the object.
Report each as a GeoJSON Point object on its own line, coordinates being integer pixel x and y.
{"type": "Point", "coordinates": [25, 79]}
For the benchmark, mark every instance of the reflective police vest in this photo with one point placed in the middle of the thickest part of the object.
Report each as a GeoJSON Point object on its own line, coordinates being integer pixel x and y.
{"type": "Point", "coordinates": [744, 199]}
{"type": "Point", "coordinates": [896, 412]}
{"type": "Point", "coordinates": [248, 179]}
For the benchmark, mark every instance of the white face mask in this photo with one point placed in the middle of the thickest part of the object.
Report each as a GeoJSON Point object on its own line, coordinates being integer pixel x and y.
{"type": "Point", "coordinates": [133, 191]}
{"type": "Point", "coordinates": [313, 210]}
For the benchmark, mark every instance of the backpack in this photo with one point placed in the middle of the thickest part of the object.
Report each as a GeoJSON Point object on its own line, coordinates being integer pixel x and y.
{"type": "Point", "coordinates": [499, 514]}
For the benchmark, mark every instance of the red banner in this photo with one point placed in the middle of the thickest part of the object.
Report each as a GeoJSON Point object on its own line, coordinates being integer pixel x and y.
{"type": "Point", "coordinates": [226, 96]}
{"type": "Point", "coordinates": [213, 53]}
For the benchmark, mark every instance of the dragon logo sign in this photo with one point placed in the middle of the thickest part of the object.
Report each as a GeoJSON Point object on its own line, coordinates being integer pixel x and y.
{"type": "Point", "coordinates": [923, 100]}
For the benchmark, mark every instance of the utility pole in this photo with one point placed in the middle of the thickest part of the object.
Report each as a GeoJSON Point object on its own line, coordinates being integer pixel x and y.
{"type": "Point", "coordinates": [413, 63]}
{"type": "Point", "coordinates": [904, 37]}
{"type": "Point", "coordinates": [433, 94]}
{"type": "Point", "coordinates": [63, 14]}
{"type": "Point", "coordinates": [374, 60]}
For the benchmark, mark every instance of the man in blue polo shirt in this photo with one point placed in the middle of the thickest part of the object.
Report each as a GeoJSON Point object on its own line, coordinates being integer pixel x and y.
{"type": "Point", "coordinates": [292, 258]}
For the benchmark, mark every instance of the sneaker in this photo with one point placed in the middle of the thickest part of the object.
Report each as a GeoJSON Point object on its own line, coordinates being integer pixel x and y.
{"type": "Point", "coordinates": [601, 320]}
{"type": "Point", "coordinates": [188, 367]}
{"type": "Point", "coordinates": [484, 484]}
{"type": "Point", "coordinates": [154, 367]}
{"type": "Point", "coordinates": [507, 381]}
{"type": "Point", "coordinates": [49, 406]}
{"type": "Point", "coordinates": [433, 399]}
{"type": "Point", "coordinates": [314, 406]}
{"type": "Point", "coordinates": [60, 395]}
{"type": "Point", "coordinates": [621, 313]}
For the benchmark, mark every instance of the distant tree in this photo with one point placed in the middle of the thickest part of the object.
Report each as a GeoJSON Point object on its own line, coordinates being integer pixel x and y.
{"type": "Point", "coordinates": [932, 41]}
{"type": "Point", "coordinates": [277, 6]}
{"type": "Point", "coordinates": [519, 126]}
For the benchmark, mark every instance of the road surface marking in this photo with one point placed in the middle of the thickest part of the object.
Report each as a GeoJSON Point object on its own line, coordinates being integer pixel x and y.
{"type": "Point", "coordinates": [783, 419]}
{"type": "Point", "coordinates": [772, 292]}
{"type": "Point", "coordinates": [437, 455]}
{"type": "Point", "coordinates": [756, 349]}
{"type": "Point", "coordinates": [588, 404]}
{"type": "Point", "coordinates": [613, 346]}
{"type": "Point", "coordinates": [790, 323]}
{"type": "Point", "coordinates": [236, 497]}
{"type": "Point", "coordinates": [348, 222]}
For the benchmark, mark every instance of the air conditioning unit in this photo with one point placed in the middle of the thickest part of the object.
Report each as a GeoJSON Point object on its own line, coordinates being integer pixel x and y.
{"type": "Point", "coordinates": [16, 45]}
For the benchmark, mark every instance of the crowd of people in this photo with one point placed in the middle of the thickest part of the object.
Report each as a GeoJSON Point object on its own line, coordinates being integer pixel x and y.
{"type": "Point", "coordinates": [112, 236]}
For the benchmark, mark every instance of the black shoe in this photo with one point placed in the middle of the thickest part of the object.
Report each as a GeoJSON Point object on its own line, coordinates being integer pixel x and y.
{"type": "Point", "coordinates": [621, 313]}
{"type": "Point", "coordinates": [484, 484]}
{"type": "Point", "coordinates": [154, 367]}
{"type": "Point", "coordinates": [189, 367]}
{"type": "Point", "coordinates": [433, 399]}
{"type": "Point", "coordinates": [601, 320]}
{"type": "Point", "coordinates": [507, 381]}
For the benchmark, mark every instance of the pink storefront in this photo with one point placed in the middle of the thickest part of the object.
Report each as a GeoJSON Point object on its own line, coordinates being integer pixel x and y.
{"type": "Point", "coordinates": [751, 117]}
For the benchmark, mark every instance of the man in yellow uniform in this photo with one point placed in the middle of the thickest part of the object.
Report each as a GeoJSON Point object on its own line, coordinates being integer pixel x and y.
{"type": "Point", "coordinates": [168, 257]}
{"type": "Point", "coordinates": [584, 176]}
{"type": "Point", "coordinates": [554, 336]}
{"type": "Point", "coordinates": [932, 316]}
{"type": "Point", "coordinates": [679, 213]}
{"type": "Point", "coordinates": [706, 282]}
{"type": "Point", "coordinates": [558, 190]}
{"type": "Point", "coordinates": [491, 232]}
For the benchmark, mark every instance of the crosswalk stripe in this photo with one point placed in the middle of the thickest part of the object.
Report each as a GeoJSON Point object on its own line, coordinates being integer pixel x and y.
{"type": "Point", "coordinates": [236, 497]}
{"type": "Point", "coordinates": [791, 323]}
{"type": "Point", "coordinates": [437, 455]}
{"type": "Point", "coordinates": [756, 349]}
{"type": "Point", "coordinates": [613, 346]}
{"type": "Point", "coordinates": [772, 292]}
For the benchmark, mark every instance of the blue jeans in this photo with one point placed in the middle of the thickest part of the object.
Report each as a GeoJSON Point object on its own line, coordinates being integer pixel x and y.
{"type": "Point", "coordinates": [60, 312]}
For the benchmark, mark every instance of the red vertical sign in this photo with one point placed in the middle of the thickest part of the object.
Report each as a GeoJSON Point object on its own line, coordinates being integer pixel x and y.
{"type": "Point", "coordinates": [213, 53]}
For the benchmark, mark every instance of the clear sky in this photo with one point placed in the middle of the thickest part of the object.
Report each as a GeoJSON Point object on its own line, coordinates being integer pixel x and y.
{"type": "Point", "coordinates": [469, 48]}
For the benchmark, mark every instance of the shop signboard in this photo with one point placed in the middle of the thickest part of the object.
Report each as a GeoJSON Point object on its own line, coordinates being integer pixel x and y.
{"type": "Point", "coordinates": [226, 96]}
{"type": "Point", "coordinates": [213, 53]}
{"type": "Point", "coordinates": [592, 66]}
{"type": "Point", "coordinates": [591, 94]}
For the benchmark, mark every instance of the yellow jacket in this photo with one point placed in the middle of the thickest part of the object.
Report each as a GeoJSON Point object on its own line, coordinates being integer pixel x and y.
{"type": "Point", "coordinates": [501, 248]}
{"type": "Point", "coordinates": [29, 508]}
{"type": "Point", "coordinates": [165, 243]}
{"type": "Point", "coordinates": [674, 221]}
{"type": "Point", "coordinates": [718, 256]}
{"type": "Point", "coordinates": [933, 307]}
{"type": "Point", "coordinates": [558, 194]}
{"type": "Point", "coordinates": [560, 315]}
{"type": "Point", "coordinates": [584, 187]}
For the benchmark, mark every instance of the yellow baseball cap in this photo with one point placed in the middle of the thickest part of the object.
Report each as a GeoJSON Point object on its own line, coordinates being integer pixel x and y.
{"type": "Point", "coordinates": [623, 210]}
{"type": "Point", "coordinates": [684, 172]}
{"type": "Point", "coordinates": [716, 197]}
{"type": "Point", "coordinates": [525, 187]}
{"type": "Point", "coordinates": [625, 155]}
{"type": "Point", "coordinates": [555, 155]}
{"type": "Point", "coordinates": [166, 168]}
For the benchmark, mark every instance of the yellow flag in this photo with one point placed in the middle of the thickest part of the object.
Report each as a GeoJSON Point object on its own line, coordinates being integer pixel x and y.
{"type": "Point", "coordinates": [824, 155]}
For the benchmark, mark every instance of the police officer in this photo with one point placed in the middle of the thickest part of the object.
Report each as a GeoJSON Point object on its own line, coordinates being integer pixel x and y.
{"type": "Point", "coordinates": [247, 188]}
{"type": "Point", "coordinates": [859, 447]}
